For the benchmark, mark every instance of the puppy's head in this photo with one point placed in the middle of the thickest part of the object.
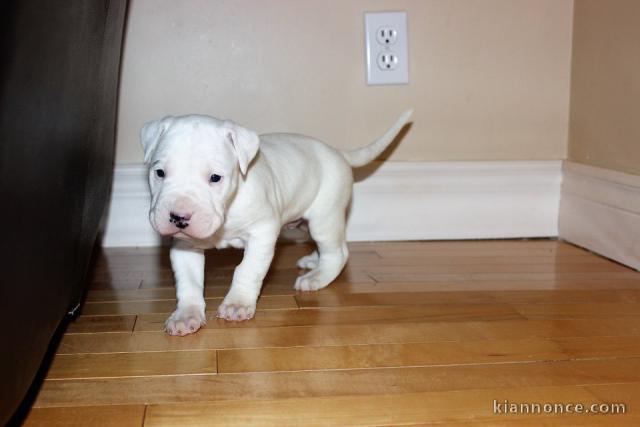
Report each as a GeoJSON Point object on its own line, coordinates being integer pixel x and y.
{"type": "Point", "coordinates": [195, 163]}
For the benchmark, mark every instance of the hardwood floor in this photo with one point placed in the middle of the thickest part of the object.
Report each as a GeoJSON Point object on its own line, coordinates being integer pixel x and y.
{"type": "Point", "coordinates": [411, 333]}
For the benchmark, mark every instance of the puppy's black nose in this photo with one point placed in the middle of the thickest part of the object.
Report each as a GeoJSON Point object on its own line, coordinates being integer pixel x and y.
{"type": "Point", "coordinates": [180, 216]}
{"type": "Point", "coordinates": [180, 220]}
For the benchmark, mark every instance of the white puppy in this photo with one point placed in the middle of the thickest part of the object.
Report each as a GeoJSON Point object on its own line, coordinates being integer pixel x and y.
{"type": "Point", "coordinates": [217, 184]}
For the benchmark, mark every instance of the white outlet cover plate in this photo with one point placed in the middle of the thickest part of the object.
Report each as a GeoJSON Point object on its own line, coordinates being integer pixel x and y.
{"type": "Point", "coordinates": [374, 22]}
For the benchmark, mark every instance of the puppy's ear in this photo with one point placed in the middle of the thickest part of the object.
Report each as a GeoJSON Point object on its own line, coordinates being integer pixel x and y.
{"type": "Point", "coordinates": [245, 143]}
{"type": "Point", "coordinates": [150, 135]}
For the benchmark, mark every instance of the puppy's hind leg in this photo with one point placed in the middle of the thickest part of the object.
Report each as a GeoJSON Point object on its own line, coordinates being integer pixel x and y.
{"type": "Point", "coordinates": [329, 234]}
{"type": "Point", "coordinates": [309, 261]}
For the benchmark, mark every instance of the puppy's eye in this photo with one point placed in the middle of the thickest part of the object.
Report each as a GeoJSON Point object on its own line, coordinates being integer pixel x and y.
{"type": "Point", "coordinates": [160, 173]}
{"type": "Point", "coordinates": [215, 178]}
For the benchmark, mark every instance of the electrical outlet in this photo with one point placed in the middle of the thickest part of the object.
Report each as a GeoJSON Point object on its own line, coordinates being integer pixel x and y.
{"type": "Point", "coordinates": [386, 35]}
{"type": "Point", "coordinates": [386, 48]}
{"type": "Point", "coordinates": [388, 61]}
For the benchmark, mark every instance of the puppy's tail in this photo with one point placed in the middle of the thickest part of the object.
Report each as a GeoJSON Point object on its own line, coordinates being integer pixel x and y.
{"type": "Point", "coordinates": [362, 156]}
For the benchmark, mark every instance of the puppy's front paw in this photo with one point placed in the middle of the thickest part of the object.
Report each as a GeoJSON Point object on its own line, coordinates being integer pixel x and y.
{"type": "Point", "coordinates": [184, 321]}
{"type": "Point", "coordinates": [236, 310]}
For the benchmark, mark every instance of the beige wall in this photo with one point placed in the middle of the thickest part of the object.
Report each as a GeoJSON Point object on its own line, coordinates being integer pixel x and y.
{"type": "Point", "coordinates": [605, 93]}
{"type": "Point", "coordinates": [489, 79]}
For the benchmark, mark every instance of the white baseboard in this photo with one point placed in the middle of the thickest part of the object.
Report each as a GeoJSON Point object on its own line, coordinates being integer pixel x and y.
{"type": "Point", "coordinates": [600, 211]}
{"type": "Point", "coordinates": [400, 201]}
{"type": "Point", "coordinates": [127, 221]}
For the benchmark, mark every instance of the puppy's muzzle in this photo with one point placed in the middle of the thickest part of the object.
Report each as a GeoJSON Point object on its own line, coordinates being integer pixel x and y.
{"type": "Point", "coordinates": [180, 220]}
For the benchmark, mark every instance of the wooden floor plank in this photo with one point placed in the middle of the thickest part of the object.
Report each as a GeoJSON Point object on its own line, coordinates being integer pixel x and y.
{"type": "Point", "coordinates": [108, 283]}
{"type": "Point", "coordinates": [426, 268]}
{"type": "Point", "coordinates": [337, 299]}
{"type": "Point", "coordinates": [486, 285]}
{"type": "Point", "coordinates": [119, 275]}
{"type": "Point", "coordinates": [324, 335]}
{"type": "Point", "coordinates": [352, 315]}
{"type": "Point", "coordinates": [113, 365]}
{"type": "Point", "coordinates": [628, 394]}
{"type": "Point", "coordinates": [411, 314]}
{"type": "Point", "coordinates": [116, 295]}
{"type": "Point", "coordinates": [169, 293]}
{"type": "Point", "coordinates": [283, 278]}
{"type": "Point", "coordinates": [91, 324]}
{"type": "Point", "coordinates": [282, 385]}
{"type": "Point", "coordinates": [461, 245]}
{"type": "Point", "coordinates": [583, 310]}
{"type": "Point", "coordinates": [427, 253]}
{"type": "Point", "coordinates": [419, 259]}
{"type": "Point", "coordinates": [403, 276]}
{"type": "Point", "coordinates": [400, 250]}
{"type": "Point", "coordinates": [99, 416]}
{"type": "Point", "coordinates": [266, 302]}
{"type": "Point", "coordinates": [424, 354]}
{"type": "Point", "coordinates": [599, 347]}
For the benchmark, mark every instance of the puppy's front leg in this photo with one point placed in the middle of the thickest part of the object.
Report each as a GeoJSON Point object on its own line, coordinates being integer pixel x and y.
{"type": "Point", "coordinates": [240, 302]}
{"type": "Point", "coordinates": [188, 268]}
